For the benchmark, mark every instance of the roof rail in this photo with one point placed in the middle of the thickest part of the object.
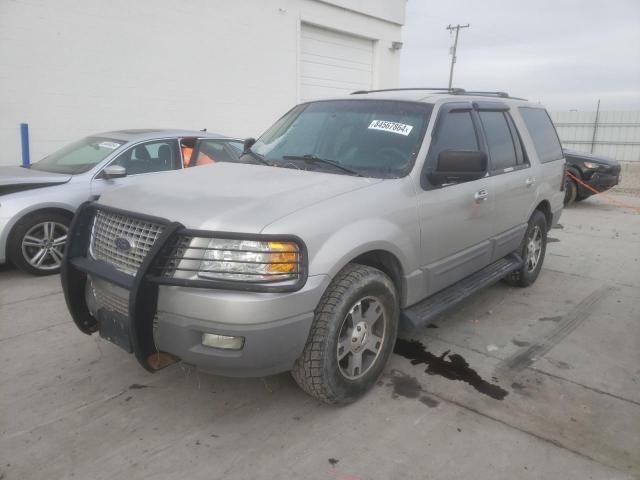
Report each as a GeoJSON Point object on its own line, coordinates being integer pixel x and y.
{"type": "Point", "coordinates": [481, 93]}
{"type": "Point", "coordinates": [487, 93]}
{"type": "Point", "coordinates": [444, 89]}
{"type": "Point", "coordinates": [451, 91]}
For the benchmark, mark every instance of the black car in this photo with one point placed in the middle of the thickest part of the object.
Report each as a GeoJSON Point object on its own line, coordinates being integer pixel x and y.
{"type": "Point", "coordinates": [599, 173]}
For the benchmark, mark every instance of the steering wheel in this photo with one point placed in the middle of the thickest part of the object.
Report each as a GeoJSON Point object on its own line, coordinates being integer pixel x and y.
{"type": "Point", "coordinates": [393, 155]}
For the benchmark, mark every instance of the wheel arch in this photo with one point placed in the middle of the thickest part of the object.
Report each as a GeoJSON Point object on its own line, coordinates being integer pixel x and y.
{"type": "Point", "coordinates": [67, 212]}
{"type": "Point", "coordinates": [545, 207]}
{"type": "Point", "coordinates": [387, 263]}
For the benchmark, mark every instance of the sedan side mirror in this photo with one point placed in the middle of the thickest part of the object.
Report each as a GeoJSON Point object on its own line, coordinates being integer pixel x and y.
{"type": "Point", "coordinates": [248, 143]}
{"type": "Point", "coordinates": [114, 171]}
{"type": "Point", "coordinates": [457, 166]}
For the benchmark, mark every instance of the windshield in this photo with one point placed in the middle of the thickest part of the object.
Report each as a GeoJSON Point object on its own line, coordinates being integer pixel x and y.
{"type": "Point", "coordinates": [79, 157]}
{"type": "Point", "coordinates": [373, 138]}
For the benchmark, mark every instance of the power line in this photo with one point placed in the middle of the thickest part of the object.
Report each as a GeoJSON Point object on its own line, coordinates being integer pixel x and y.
{"type": "Point", "coordinates": [455, 47]}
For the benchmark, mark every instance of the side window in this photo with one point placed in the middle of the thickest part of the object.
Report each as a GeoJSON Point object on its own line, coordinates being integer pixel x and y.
{"type": "Point", "coordinates": [236, 147]}
{"type": "Point", "coordinates": [211, 151]}
{"type": "Point", "coordinates": [155, 156]}
{"type": "Point", "coordinates": [502, 150]}
{"type": "Point", "coordinates": [521, 155]}
{"type": "Point", "coordinates": [455, 132]}
{"type": "Point", "coordinates": [543, 133]}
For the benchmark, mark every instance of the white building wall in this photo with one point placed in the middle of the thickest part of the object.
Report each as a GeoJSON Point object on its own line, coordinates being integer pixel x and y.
{"type": "Point", "coordinates": [70, 68]}
{"type": "Point", "coordinates": [617, 135]}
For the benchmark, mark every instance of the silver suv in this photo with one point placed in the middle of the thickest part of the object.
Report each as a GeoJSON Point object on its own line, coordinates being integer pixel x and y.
{"type": "Point", "coordinates": [346, 220]}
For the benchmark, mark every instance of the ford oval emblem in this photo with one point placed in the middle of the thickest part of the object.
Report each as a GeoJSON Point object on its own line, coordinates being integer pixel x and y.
{"type": "Point", "coordinates": [123, 244]}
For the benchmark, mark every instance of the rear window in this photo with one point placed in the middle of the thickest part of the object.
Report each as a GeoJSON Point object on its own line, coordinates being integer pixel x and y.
{"type": "Point", "coordinates": [543, 133]}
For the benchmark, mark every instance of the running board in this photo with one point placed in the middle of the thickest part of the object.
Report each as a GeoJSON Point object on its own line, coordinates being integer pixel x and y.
{"type": "Point", "coordinates": [423, 313]}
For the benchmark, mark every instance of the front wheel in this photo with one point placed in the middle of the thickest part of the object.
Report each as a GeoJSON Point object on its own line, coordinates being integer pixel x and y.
{"type": "Point", "coordinates": [533, 250]}
{"type": "Point", "coordinates": [37, 242]}
{"type": "Point", "coordinates": [351, 338]}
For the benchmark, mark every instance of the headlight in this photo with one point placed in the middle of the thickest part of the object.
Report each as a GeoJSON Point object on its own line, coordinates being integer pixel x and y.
{"type": "Point", "coordinates": [250, 260]}
{"type": "Point", "coordinates": [591, 165]}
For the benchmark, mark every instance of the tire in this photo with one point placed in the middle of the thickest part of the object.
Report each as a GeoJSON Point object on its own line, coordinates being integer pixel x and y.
{"type": "Point", "coordinates": [580, 197]}
{"type": "Point", "coordinates": [36, 243]}
{"type": "Point", "coordinates": [530, 270]}
{"type": "Point", "coordinates": [328, 371]}
{"type": "Point", "coordinates": [570, 192]}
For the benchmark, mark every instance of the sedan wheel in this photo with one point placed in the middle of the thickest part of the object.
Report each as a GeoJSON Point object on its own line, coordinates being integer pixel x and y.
{"type": "Point", "coordinates": [37, 242]}
{"type": "Point", "coordinates": [43, 245]}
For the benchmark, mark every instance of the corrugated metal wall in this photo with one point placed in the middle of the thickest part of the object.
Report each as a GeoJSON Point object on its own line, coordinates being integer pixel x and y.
{"type": "Point", "coordinates": [617, 133]}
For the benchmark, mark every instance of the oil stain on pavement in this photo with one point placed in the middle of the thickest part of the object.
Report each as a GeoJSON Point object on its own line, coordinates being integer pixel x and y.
{"type": "Point", "coordinates": [455, 367]}
{"type": "Point", "coordinates": [407, 386]}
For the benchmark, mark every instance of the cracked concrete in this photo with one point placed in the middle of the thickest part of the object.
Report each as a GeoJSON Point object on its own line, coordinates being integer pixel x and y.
{"type": "Point", "coordinates": [72, 406]}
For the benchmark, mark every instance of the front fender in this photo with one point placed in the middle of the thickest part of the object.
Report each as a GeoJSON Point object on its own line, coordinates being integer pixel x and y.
{"type": "Point", "coordinates": [354, 239]}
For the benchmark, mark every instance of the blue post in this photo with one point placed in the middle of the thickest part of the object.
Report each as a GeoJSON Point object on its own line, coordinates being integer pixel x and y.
{"type": "Point", "coordinates": [24, 139]}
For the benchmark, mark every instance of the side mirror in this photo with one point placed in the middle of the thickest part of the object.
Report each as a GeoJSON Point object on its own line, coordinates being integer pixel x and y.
{"type": "Point", "coordinates": [457, 166]}
{"type": "Point", "coordinates": [248, 143]}
{"type": "Point", "coordinates": [114, 171]}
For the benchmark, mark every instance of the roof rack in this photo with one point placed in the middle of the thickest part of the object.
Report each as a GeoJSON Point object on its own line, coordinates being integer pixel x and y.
{"type": "Point", "coordinates": [445, 89]}
{"type": "Point", "coordinates": [487, 93]}
{"type": "Point", "coordinates": [481, 93]}
{"type": "Point", "coordinates": [451, 91]}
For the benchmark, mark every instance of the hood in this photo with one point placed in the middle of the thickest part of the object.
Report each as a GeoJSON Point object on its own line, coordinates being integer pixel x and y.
{"type": "Point", "coordinates": [16, 179]}
{"type": "Point", "coordinates": [231, 196]}
{"type": "Point", "coordinates": [589, 157]}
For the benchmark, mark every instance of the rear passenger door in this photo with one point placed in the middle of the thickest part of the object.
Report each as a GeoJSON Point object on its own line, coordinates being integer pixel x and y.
{"type": "Point", "coordinates": [513, 178]}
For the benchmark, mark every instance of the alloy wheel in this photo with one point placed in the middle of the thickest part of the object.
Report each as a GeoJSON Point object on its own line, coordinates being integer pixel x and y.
{"type": "Point", "coordinates": [361, 337]}
{"type": "Point", "coordinates": [534, 248]}
{"type": "Point", "coordinates": [43, 245]}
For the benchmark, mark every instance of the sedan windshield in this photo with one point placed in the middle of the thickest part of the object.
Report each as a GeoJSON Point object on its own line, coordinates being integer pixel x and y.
{"type": "Point", "coordinates": [373, 138]}
{"type": "Point", "coordinates": [79, 157]}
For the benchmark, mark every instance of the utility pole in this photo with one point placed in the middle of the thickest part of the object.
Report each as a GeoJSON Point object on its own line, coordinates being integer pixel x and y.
{"type": "Point", "coordinates": [595, 127]}
{"type": "Point", "coordinates": [455, 47]}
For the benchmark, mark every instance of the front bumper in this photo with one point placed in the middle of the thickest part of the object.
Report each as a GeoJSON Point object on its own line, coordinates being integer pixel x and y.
{"type": "Point", "coordinates": [4, 234]}
{"type": "Point", "coordinates": [172, 319]}
{"type": "Point", "coordinates": [599, 181]}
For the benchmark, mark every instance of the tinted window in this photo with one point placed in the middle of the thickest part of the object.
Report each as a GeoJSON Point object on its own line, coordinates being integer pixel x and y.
{"type": "Point", "coordinates": [544, 136]}
{"type": "Point", "coordinates": [456, 132]}
{"type": "Point", "coordinates": [520, 153]}
{"type": "Point", "coordinates": [150, 157]}
{"type": "Point", "coordinates": [501, 148]}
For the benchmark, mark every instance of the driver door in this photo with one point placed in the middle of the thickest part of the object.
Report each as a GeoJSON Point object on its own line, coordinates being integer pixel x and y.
{"type": "Point", "coordinates": [148, 158]}
{"type": "Point", "coordinates": [455, 218]}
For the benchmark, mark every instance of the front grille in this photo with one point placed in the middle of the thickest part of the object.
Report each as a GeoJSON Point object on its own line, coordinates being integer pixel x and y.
{"type": "Point", "coordinates": [108, 300]}
{"type": "Point", "coordinates": [136, 234]}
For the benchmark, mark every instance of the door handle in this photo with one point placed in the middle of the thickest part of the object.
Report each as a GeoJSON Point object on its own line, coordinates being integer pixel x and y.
{"type": "Point", "coordinates": [481, 195]}
{"type": "Point", "coordinates": [530, 181]}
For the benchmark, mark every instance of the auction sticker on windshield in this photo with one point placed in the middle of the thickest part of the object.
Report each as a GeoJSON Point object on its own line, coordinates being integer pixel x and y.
{"type": "Point", "coordinates": [392, 127]}
{"type": "Point", "coordinates": [109, 145]}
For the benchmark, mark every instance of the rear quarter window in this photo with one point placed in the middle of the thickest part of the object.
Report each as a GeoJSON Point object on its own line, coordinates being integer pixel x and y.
{"type": "Point", "coordinates": [543, 133]}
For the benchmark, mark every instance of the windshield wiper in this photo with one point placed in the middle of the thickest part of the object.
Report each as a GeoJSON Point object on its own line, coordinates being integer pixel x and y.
{"type": "Point", "coordinates": [313, 159]}
{"type": "Point", "coordinates": [255, 156]}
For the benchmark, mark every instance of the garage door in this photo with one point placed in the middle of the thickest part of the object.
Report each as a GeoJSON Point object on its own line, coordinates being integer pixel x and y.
{"type": "Point", "coordinates": [333, 63]}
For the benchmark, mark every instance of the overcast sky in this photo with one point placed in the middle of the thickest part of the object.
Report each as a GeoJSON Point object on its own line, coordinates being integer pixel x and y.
{"type": "Point", "coordinates": [566, 54]}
